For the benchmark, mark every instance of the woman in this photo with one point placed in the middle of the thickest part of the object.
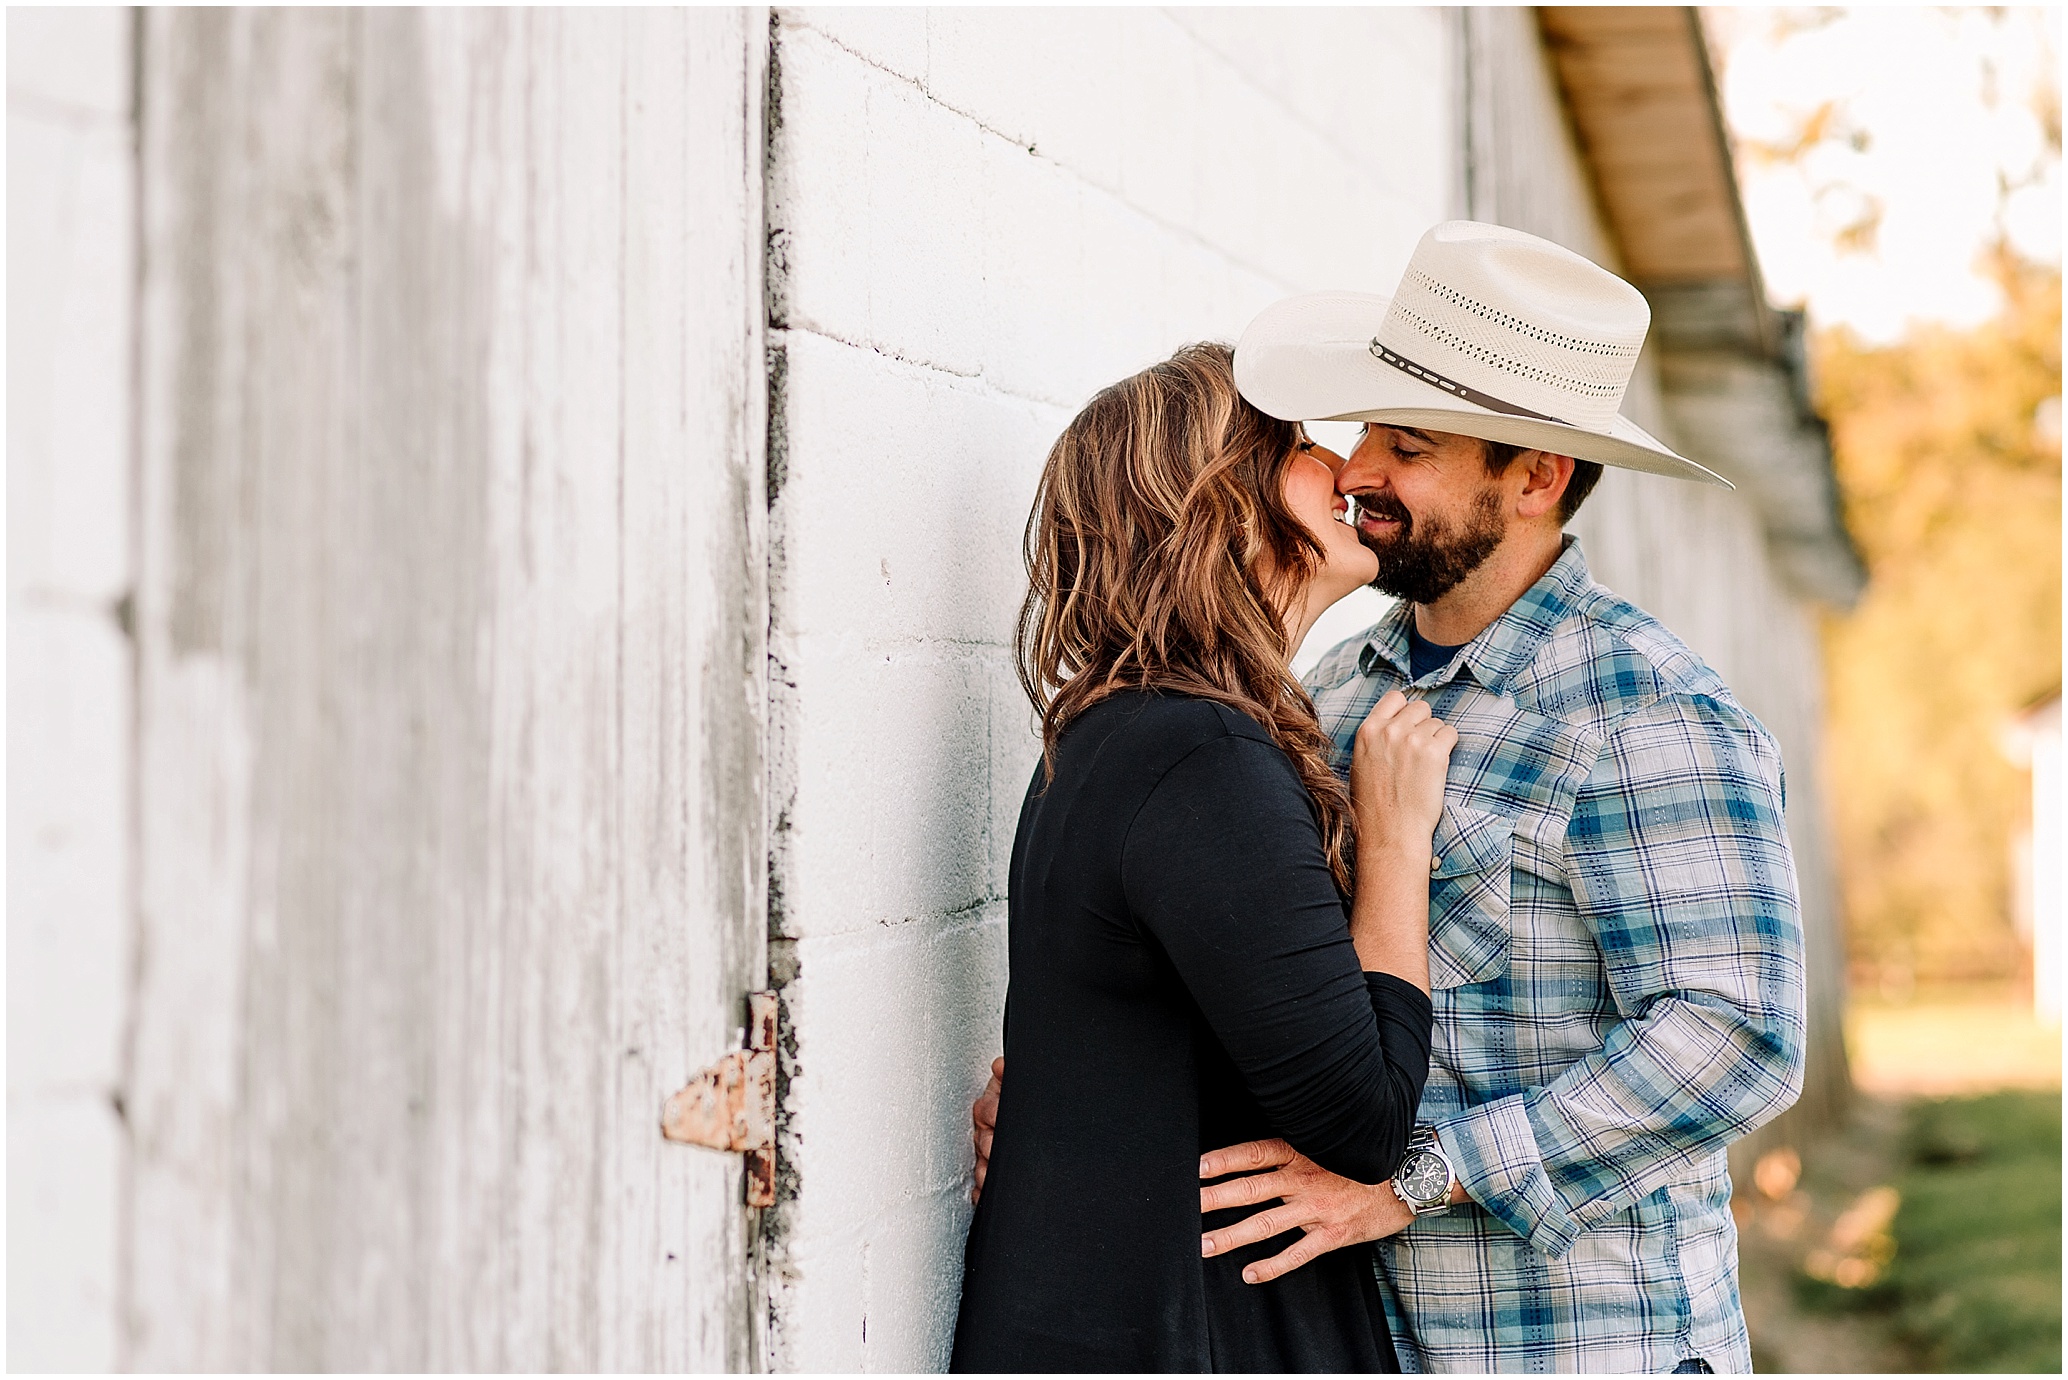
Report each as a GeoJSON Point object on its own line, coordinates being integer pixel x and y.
{"type": "Point", "coordinates": [1186, 971]}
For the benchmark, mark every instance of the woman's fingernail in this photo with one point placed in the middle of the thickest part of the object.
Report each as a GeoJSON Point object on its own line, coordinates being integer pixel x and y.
{"type": "Point", "coordinates": [1249, 1276]}
{"type": "Point", "coordinates": [1207, 1246]}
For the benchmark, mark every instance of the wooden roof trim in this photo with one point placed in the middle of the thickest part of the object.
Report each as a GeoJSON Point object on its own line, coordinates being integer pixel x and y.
{"type": "Point", "coordinates": [1642, 94]}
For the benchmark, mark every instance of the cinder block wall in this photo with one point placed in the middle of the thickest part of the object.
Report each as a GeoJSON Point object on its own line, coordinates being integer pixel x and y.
{"type": "Point", "coordinates": [978, 218]}
{"type": "Point", "coordinates": [71, 272]}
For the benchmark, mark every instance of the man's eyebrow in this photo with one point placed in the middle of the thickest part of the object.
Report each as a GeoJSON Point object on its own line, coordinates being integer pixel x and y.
{"type": "Point", "coordinates": [1420, 435]}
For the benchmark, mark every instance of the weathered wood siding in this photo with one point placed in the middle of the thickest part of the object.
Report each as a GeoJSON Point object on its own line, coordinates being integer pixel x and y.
{"type": "Point", "coordinates": [451, 627]}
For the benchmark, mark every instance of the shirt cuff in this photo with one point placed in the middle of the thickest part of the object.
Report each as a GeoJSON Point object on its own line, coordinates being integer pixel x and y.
{"type": "Point", "coordinates": [1493, 1150]}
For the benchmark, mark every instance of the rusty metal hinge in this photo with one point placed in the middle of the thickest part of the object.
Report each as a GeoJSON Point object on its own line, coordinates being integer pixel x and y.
{"type": "Point", "coordinates": [731, 1104]}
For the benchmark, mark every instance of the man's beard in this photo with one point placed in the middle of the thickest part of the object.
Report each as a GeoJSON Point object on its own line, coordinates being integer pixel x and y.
{"type": "Point", "coordinates": [1425, 561]}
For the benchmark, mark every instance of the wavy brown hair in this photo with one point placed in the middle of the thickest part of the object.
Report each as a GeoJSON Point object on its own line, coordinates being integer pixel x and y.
{"type": "Point", "coordinates": [1147, 570]}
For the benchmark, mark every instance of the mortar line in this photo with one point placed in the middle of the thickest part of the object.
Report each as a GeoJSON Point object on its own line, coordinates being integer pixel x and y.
{"type": "Point", "coordinates": [983, 381]}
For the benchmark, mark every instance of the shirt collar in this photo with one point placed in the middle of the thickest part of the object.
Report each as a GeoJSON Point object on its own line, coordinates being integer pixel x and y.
{"type": "Point", "coordinates": [1505, 646]}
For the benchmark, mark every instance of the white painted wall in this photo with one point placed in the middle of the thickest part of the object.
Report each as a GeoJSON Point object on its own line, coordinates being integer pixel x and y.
{"type": "Point", "coordinates": [978, 218]}
{"type": "Point", "coordinates": [71, 266]}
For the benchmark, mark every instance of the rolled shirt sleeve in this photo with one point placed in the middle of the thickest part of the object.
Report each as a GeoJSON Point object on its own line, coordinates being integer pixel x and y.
{"type": "Point", "coordinates": [1678, 861]}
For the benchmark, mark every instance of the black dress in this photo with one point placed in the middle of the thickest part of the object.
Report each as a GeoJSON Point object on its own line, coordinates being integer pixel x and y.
{"type": "Point", "coordinates": [1182, 979]}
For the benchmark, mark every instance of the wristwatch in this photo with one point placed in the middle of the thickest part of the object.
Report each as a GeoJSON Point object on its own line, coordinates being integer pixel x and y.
{"type": "Point", "coordinates": [1424, 1178]}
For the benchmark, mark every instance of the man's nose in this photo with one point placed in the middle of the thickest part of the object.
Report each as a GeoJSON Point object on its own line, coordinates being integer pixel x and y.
{"type": "Point", "coordinates": [1355, 477]}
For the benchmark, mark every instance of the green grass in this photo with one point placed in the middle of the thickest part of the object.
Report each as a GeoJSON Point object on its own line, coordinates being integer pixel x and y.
{"type": "Point", "coordinates": [1976, 1280]}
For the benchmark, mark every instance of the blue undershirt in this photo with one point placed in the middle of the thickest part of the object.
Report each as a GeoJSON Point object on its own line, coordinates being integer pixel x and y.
{"type": "Point", "coordinates": [1424, 656]}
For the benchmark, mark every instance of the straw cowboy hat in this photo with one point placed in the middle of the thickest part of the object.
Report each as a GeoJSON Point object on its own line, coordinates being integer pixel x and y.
{"type": "Point", "coordinates": [1492, 333]}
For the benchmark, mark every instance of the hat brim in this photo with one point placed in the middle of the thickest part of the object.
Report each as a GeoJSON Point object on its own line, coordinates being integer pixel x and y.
{"type": "Point", "coordinates": [1309, 359]}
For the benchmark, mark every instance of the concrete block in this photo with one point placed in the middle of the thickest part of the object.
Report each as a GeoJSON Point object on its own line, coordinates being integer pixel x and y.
{"type": "Point", "coordinates": [993, 64]}
{"type": "Point", "coordinates": [1371, 84]}
{"type": "Point", "coordinates": [1163, 101]}
{"type": "Point", "coordinates": [876, 1298]}
{"type": "Point", "coordinates": [817, 208]}
{"type": "Point", "coordinates": [891, 37]}
{"type": "Point", "coordinates": [1032, 321]}
{"type": "Point", "coordinates": [874, 196]}
{"type": "Point", "coordinates": [73, 60]}
{"type": "Point", "coordinates": [68, 884]}
{"type": "Point", "coordinates": [64, 1162]}
{"type": "Point", "coordinates": [904, 500]}
{"type": "Point", "coordinates": [821, 1308]}
{"type": "Point", "coordinates": [910, 1301]}
{"type": "Point", "coordinates": [896, 1030]}
{"type": "Point", "coordinates": [892, 817]}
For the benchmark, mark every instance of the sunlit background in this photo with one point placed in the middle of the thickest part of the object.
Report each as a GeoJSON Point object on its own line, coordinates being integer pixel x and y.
{"type": "Point", "coordinates": [1901, 174]}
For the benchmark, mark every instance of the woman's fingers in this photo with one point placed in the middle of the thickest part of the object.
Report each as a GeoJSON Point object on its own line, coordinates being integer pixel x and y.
{"type": "Point", "coordinates": [1393, 712]}
{"type": "Point", "coordinates": [1246, 1158]}
{"type": "Point", "coordinates": [1390, 703]}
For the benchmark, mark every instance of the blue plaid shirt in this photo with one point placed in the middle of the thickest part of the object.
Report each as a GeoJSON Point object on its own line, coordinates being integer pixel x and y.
{"type": "Point", "coordinates": [1615, 945]}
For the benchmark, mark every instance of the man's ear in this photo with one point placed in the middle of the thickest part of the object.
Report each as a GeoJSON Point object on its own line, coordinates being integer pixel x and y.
{"type": "Point", "coordinates": [1544, 477]}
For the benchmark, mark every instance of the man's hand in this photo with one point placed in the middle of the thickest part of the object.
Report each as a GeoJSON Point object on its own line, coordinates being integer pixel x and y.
{"type": "Point", "coordinates": [983, 1120]}
{"type": "Point", "coordinates": [1330, 1210]}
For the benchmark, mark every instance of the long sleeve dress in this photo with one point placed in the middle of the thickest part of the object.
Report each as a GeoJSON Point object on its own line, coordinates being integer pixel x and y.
{"type": "Point", "coordinates": [1182, 978]}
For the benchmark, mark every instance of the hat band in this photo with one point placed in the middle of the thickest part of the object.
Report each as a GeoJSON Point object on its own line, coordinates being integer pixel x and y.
{"type": "Point", "coordinates": [1463, 390]}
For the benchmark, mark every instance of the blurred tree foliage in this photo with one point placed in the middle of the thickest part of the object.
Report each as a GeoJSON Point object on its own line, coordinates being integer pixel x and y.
{"type": "Point", "coordinates": [1947, 447]}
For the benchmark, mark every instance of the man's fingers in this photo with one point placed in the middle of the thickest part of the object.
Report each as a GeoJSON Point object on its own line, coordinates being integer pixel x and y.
{"type": "Point", "coordinates": [1261, 1226]}
{"type": "Point", "coordinates": [1316, 1242]}
{"type": "Point", "coordinates": [983, 1143]}
{"type": "Point", "coordinates": [1253, 1188]}
{"type": "Point", "coordinates": [998, 1068]}
{"type": "Point", "coordinates": [1246, 1158]}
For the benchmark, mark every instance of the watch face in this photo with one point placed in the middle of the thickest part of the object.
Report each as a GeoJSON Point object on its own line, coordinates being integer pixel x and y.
{"type": "Point", "coordinates": [1424, 1177]}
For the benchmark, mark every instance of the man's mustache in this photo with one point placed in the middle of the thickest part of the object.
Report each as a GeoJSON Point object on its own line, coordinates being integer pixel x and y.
{"type": "Point", "coordinates": [1386, 506]}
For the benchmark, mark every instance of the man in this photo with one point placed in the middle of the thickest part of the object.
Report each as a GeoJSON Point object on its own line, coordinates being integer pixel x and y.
{"type": "Point", "coordinates": [1615, 939]}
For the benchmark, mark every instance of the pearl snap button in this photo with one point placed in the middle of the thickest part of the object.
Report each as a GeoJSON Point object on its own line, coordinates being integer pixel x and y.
{"type": "Point", "coordinates": [1435, 865]}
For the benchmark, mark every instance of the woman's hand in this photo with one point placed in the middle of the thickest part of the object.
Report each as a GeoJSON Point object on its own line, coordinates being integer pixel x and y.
{"type": "Point", "coordinates": [1397, 769]}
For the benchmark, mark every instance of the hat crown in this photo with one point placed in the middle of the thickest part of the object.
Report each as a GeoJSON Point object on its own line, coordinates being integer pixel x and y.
{"type": "Point", "coordinates": [1519, 318]}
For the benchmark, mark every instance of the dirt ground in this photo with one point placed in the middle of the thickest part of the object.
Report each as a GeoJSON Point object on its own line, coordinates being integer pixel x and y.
{"type": "Point", "coordinates": [1774, 1237]}
{"type": "Point", "coordinates": [1818, 1210]}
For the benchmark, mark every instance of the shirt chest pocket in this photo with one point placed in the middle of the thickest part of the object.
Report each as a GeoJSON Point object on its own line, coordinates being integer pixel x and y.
{"type": "Point", "coordinates": [1469, 888]}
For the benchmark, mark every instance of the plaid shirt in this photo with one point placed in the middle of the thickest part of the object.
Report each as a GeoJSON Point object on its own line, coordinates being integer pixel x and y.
{"type": "Point", "coordinates": [1616, 950]}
